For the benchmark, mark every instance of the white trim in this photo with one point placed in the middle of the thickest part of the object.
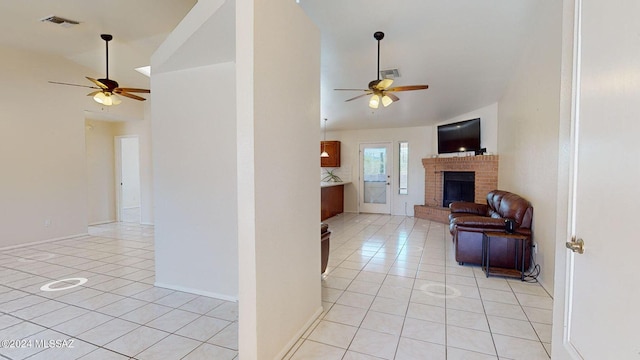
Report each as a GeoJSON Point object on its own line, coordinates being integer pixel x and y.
{"type": "Point", "coordinates": [197, 291]}
{"type": "Point", "coordinates": [569, 108]}
{"type": "Point", "coordinates": [291, 343]}
{"type": "Point", "coordinates": [10, 247]}
{"type": "Point", "coordinates": [573, 172]}
{"type": "Point", "coordinates": [102, 222]}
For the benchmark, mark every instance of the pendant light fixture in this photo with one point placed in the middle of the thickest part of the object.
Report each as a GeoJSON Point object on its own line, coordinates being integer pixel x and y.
{"type": "Point", "coordinates": [324, 153]}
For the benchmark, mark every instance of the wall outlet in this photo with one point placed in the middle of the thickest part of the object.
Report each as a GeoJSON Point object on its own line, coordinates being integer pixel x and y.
{"type": "Point", "coordinates": [535, 248]}
{"type": "Point", "coordinates": [47, 222]}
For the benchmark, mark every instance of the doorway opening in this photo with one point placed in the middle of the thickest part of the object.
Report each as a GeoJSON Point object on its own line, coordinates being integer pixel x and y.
{"type": "Point", "coordinates": [127, 179]}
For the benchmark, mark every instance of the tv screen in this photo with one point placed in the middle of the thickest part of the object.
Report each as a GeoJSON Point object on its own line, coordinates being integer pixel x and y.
{"type": "Point", "coordinates": [460, 136]}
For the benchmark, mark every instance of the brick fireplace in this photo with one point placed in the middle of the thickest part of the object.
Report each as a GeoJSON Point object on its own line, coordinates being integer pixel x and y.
{"type": "Point", "coordinates": [485, 168]}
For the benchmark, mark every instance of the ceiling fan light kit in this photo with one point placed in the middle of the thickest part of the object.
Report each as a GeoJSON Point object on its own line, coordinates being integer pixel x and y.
{"type": "Point", "coordinates": [374, 102]}
{"type": "Point", "coordinates": [381, 90]}
{"type": "Point", "coordinates": [107, 88]}
{"type": "Point", "coordinates": [386, 100]}
{"type": "Point", "coordinates": [106, 98]}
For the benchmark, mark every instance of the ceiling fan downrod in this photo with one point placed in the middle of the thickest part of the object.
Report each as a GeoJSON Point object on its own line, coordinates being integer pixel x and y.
{"type": "Point", "coordinates": [107, 38]}
{"type": "Point", "coordinates": [378, 35]}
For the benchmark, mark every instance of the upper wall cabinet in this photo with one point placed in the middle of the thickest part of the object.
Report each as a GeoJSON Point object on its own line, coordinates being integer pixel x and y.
{"type": "Point", "coordinates": [333, 149]}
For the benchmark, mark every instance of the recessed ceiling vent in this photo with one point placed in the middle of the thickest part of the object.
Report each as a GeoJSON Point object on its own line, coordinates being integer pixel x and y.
{"type": "Point", "coordinates": [389, 74]}
{"type": "Point", "coordinates": [59, 21]}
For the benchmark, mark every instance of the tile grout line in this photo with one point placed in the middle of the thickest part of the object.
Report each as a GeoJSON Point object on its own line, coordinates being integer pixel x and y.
{"type": "Point", "coordinates": [65, 244]}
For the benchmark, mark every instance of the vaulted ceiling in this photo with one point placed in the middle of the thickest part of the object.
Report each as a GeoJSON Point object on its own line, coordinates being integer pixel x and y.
{"type": "Point", "coordinates": [465, 50]}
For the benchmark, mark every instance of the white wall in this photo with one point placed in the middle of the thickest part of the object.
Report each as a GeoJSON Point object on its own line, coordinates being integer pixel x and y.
{"type": "Point", "coordinates": [101, 167]}
{"type": "Point", "coordinates": [528, 130]}
{"type": "Point", "coordinates": [280, 194]}
{"type": "Point", "coordinates": [42, 148]}
{"type": "Point", "coordinates": [420, 144]}
{"type": "Point", "coordinates": [195, 180]}
{"type": "Point", "coordinates": [488, 128]}
{"type": "Point", "coordinates": [100, 171]}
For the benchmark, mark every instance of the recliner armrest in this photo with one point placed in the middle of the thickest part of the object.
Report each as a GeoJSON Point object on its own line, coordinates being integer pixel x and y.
{"type": "Point", "coordinates": [481, 224]}
{"type": "Point", "coordinates": [468, 207]}
{"type": "Point", "coordinates": [478, 223]}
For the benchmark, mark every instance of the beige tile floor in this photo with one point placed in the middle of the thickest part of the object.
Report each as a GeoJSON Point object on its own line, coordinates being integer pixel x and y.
{"type": "Point", "coordinates": [394, 291]}
{"type": "Point", "coordinates": [116, 314]}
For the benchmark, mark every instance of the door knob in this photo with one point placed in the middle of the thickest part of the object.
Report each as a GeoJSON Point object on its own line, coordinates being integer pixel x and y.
{"type": "Point", "coordinates": [576, 246]}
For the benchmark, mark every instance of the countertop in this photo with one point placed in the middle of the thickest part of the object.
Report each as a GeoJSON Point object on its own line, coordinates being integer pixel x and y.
{"type": "Point", "coordinates": [324, 184]}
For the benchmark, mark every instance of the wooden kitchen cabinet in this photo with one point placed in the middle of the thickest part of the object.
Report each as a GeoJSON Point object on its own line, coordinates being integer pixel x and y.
{"type": "Point", "coordinates": [333, 149]}
{"type": "Point", "coordinates": [331, 201]}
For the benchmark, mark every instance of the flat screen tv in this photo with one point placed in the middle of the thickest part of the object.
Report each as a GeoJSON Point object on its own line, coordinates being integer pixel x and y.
{"type": "Point", "coordinates": [459, 137]}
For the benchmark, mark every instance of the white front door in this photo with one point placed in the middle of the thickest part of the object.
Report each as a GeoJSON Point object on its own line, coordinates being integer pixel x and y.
{"type": "Point", "coordinates": [601, 293]}
{"type": "Point", "coordinates": [375, 178]}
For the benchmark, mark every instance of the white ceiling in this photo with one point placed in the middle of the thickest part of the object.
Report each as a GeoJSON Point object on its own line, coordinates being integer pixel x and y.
{"type": "Point", "coordinates": [465, 50]}
{"type": "Point", "coordinates": [138, 28]}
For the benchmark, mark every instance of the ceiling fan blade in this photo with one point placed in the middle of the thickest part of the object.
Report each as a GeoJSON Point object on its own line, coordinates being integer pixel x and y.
{"type": "Point", "coordinates": [409, 88]}
{"type": "Point", "coordinates": [131, 96]}
{"type": "Point", "coordinates": [101, 85]}
{"type": "Point", "coordinates": [352, 89]}
{"type": "Point", "coordinates": [384, 84]}
{"type": "Point", "coordinates": [359, 96]}
{"type": "Point", "coordinates": [61, 83]}
{"type": "Point", "coordinates": [392, 96]}
{"type": "Point", "coordinates": [94, 93]}
{"type": "Point", "coordinates": [131, 90]}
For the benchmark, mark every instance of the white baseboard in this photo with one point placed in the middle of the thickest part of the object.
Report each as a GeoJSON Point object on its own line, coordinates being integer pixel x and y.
{"type": "Point", "coordinates": [101, 222]}
{"type": "Point", "coordinates": [43, 241]}
{"type": "Point", "coordinates": [289, 346]}
{"type": "Point", "coordinates": [546, 288]}
{"type": "Point", "coordinates": [197, 291]}
{"type": "Point", "coordinates": [147, 224]}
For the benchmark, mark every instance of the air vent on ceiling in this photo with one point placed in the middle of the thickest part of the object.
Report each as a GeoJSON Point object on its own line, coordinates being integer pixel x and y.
{"type": "Point", "coordinates": [59, 21]}
{"type": "Point", "coordinates": [389, 74]}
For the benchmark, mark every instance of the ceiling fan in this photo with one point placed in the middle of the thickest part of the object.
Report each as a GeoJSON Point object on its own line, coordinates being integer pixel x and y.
{"type": "Point", "coordinates": [381, 90]}
{"type": "Point", "coordinates": [107, 88]}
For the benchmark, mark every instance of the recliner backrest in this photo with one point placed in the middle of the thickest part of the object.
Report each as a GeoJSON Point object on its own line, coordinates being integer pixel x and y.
{"type": "Point", "coordinates": [503, 204]}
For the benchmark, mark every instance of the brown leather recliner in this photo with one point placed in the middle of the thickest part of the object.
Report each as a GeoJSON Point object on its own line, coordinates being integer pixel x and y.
{"type": "Point", "coordinates": [468, 221]}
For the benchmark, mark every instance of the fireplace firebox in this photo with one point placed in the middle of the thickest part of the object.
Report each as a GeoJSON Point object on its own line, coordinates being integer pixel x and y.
{"type": "Point", "coordinates": [458, 186]}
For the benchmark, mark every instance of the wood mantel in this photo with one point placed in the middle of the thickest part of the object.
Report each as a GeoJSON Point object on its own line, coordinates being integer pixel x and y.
{"type": "Point", "coordinates": [485, 168]}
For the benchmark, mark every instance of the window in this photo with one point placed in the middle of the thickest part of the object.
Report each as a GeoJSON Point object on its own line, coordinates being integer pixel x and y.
{"type": "Point", "coordinates": [404, 168]}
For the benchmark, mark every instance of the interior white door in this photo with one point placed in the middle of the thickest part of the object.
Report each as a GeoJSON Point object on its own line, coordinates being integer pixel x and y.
{"type": "Point", "coordinates": [375, 178]}
{"type": "Point", "coordinates": [128, 178]}
{"type": "Point", "coordinates": [602, 291]}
